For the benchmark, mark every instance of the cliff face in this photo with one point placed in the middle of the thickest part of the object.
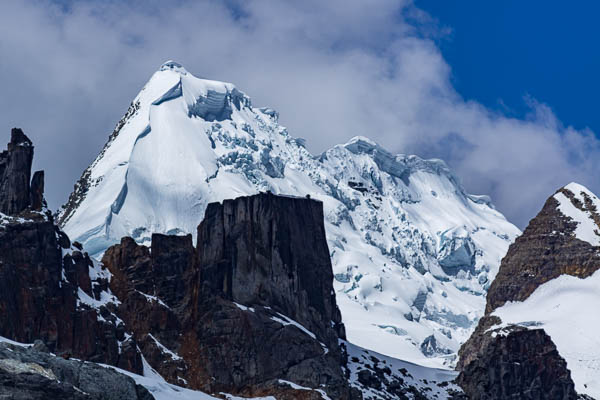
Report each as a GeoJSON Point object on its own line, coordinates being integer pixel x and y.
{"type": "Point", "coordinates": [271, 251]}
{"type": "Point", "coordinates": [253, 304]}
{"type": "Point", "coordinates": [250, 308]}
{"type": "Point", "coordinates": [508, 357]}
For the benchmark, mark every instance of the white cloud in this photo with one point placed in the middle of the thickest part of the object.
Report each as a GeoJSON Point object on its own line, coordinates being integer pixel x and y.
{"type": "Point", "coordinates": [333, 69]}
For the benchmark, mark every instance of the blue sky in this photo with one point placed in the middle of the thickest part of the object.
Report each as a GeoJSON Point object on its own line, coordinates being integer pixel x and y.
{"type": "Point", "coordinates": [503, 51]}
{"type": "Point", "coordinates": [504, 92]}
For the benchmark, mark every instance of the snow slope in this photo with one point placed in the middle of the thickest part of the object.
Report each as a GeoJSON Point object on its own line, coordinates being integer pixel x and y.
{"type": "Point", "coordinates": [432, 383]}
{"type": "Point", "coordinates": [413, 254]}
{"type": "Point", "coordinates": [567, 309]}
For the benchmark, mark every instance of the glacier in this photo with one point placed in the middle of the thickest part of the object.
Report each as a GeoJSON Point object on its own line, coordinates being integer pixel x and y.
{"type": "Point", "coordinates": [412, 252]}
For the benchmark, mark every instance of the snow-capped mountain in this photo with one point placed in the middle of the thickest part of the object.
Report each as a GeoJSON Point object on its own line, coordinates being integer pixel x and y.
{"type": "Point", "coordinates": [566, 306]}
{"type": "Point", "coordinates": [413, 253]}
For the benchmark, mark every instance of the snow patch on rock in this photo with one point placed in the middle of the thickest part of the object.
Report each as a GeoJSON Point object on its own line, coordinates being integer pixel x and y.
{"type": "Point", "coordinates": [582, 213]}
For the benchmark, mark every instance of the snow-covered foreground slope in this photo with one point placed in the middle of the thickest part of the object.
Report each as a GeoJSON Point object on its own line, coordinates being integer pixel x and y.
{"type": "Point", "coordinates": [431, 382]}
{"type": "Point", "coordinates": [412, 253]}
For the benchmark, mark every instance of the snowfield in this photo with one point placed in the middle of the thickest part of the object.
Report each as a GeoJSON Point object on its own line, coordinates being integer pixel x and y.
{"type": "Point", "coordinates": [412, 252]}
{"type": "Point", "coordinates": [567, 309]}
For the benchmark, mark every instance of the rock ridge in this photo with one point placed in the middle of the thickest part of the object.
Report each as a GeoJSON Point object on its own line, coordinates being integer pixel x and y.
{"type": "Point", "coordinates": [508, 357]}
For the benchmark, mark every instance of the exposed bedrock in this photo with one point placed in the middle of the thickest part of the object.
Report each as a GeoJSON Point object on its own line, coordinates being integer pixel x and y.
{"type": "Point", "coordinates": [514, 361]}
{"type": "Point", "coordinates": [546, 249]}
{"type": "Point", "coordinates": [520, 364]}
{"type": "Point", "coordinates": [35, 374]}
{"type": "Point", "coordinates": [252, 304]}
{"type": "Point", "coordinates": [271, 251]}
{"type": "Point", "coordinates": [250, 308]}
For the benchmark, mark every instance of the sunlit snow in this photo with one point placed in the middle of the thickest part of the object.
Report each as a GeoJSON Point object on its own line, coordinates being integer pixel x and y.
{"type": "Point", "coordinates": [567, 309]}
{"type": "Point", "coordinates": [587, 229]}
{"type": "Point", "coordinates": [412, 253]}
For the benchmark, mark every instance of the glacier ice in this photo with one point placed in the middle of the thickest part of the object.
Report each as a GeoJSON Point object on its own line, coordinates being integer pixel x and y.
{"type": "Point", "coordinates": [409, 247]}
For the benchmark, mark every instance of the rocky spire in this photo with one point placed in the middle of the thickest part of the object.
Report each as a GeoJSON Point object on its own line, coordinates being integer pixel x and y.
{"type": "Point", "coordinates": [16, 193]}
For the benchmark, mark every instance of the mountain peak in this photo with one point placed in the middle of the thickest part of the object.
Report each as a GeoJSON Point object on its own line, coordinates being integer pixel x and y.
{"type": "Point", "coordinates": [187, 142]}
{"type": "Point", "coordinates": [578, 189]}
{"type": "Point", "coordinates": [173, 66]}
{"type": "Point", "coordinates": [582, 206]}
{"type": "Point", "coordinates": [17, 137]}
{"type": "Point", "coordinates": [360, 141]}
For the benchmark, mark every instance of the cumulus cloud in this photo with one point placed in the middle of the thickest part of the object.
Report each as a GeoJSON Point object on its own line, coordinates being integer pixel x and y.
{"type": "Point", "coordinates": [333, 69]}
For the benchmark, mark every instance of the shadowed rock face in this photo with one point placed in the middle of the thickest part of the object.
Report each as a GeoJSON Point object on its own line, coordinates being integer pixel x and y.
{"type": "Point", "coordinates": [251, 305]}
{"type": "Point", "coordinates": [546, 250]}
{"type": "Point", "coordinates": [523, 364]}
{"type": "Point", "coordinates": [36, 191]}
{"type": "Point", "coordinates": [15, 175]}
{"type": "Point", "coordinates": [271, 251]}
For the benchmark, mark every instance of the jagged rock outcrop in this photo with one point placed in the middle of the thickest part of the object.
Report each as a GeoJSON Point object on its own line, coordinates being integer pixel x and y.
{"type": "Point", "coordinates": [36, 191]}
{"type": "Point", "coordinates": [504, 360]}
{"type": "Point", "coordinates": [253, 304]}
{"type": "Point", "coordinates": [16, 194]}
{"type": "Point", "coordinates": [35, 374]}
{"type": "Point", "coordinates": [45, 284]}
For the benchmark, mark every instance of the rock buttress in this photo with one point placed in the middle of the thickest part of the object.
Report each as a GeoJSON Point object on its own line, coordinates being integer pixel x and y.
{"type": "Point", "coordinates": [251, 305]}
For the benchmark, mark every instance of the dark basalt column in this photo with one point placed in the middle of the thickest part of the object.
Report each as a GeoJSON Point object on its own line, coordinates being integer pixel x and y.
{"type": "Point", "coordinates": [41, 288]}
{"type": "Point", "coordinates": [36, 193]}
